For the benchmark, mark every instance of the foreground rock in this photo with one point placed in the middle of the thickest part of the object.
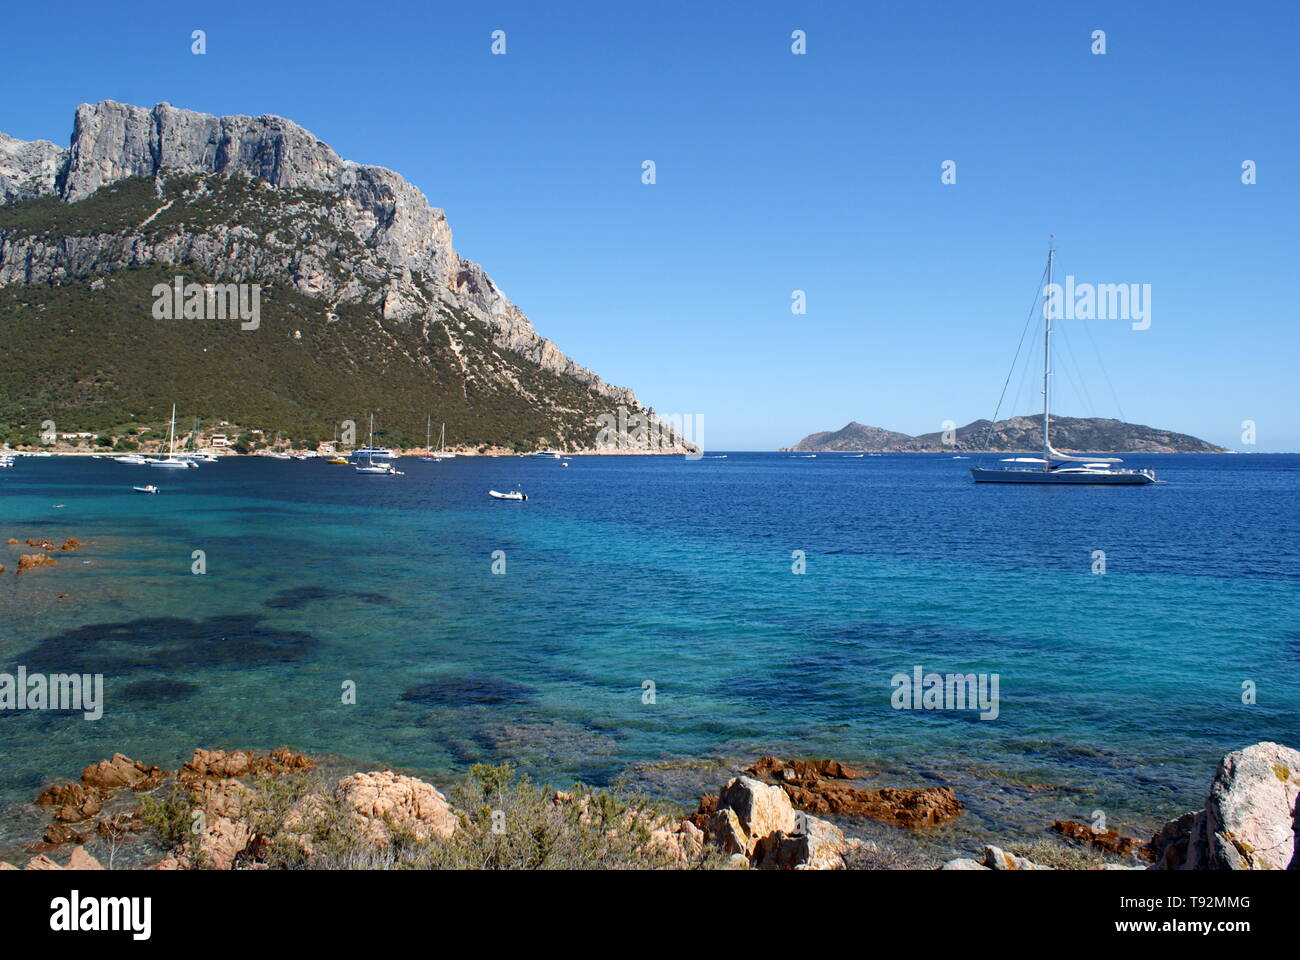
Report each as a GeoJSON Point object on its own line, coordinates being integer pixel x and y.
{"type": "Point", "coordinates": [995, 858]}
{"type": "Point", "coordinates": [382, 802]}
{"type": "Point", "coordinates": [81, 802]}
{"type": "Point", "coordinates": [757, 821]}
{"type": "Point", "coordinates": [1249, 819]}
{"type": "Point", "coordinates": [209, 776]}
{"type": "Point", "coordinates": [1249, 823]}
{"type": "Point", "coordinates": [818, 787]}
{"type": "Point", "coordinates": [79, 860]}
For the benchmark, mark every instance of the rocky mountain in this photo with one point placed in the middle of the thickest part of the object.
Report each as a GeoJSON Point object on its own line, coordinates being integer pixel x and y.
{"type": "Point", "coordinates": [365, 303]}
{"type": "Point", "coordinates": [1015, 434]}
{"type": "Point", "coordinates": [853, 436]}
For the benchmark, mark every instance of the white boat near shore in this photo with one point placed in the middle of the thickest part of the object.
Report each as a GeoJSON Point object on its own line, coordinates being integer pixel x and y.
{"type": "Point", "coordinates": [172, 462]}
{"type": "Point", "coordinates": [370, 467]}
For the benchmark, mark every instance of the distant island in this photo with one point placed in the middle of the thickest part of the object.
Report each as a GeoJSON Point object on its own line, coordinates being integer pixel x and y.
{"type": "Point", "coordinates": [1015, 434]}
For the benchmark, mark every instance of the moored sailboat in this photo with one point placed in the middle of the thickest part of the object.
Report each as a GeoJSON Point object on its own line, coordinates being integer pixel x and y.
{"type": "Point", "coordinates": [172, 462]}
{"type": "Point", "coordinates": [1054, 466]}
{"type": "Point", "coordinates": [370, 467]}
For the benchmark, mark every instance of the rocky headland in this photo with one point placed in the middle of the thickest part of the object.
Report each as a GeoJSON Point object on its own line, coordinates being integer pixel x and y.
{"type": "Point", "coordinates": [363, 303]}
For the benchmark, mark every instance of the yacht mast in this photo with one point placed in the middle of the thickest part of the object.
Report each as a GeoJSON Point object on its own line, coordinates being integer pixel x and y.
{"type": "Point", "coordinates": [1047, 361]}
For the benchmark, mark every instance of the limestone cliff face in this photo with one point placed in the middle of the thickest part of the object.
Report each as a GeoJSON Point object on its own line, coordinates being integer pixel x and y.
{"type": "Point", "coordinates": [28, 169]}
{"type": "Point", "coordinates": [402, 258]}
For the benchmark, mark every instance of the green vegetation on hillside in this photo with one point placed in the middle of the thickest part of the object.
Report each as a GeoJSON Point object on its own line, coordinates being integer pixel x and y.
{"type": "Point", "coordinates": [88, 353]}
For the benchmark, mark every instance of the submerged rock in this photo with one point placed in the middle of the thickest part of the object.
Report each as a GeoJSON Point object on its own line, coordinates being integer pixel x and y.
{"type": "Point", "coordinates": [30, 560]}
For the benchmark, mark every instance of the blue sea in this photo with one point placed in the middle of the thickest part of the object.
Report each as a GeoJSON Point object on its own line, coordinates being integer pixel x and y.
{"type": "Point", "coordinates": [648, 629]}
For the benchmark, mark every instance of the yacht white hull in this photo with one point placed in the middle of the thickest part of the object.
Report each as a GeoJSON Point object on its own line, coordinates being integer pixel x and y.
{"type": "Point", "coordinates": [1126, 478]}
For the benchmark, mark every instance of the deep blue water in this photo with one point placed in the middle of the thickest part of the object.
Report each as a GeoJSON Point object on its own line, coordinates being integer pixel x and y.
{"type": "Point", "coordinates": [1118, 691]}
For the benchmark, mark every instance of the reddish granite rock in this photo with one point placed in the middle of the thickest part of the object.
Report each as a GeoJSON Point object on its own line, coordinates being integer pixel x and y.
{"type": "Point", "coordinates": [29, 560]}
{"type": "Point", "coordinates": [917, 807]}
{"type": "Point", "coordinates": [220, 765]}
{"type": "Point", "coordinates": [74, 801]}
{"type": "Point", "coordinates": [381, 801]}
{"type": "Point", "coordinates": [81, 860]}
{"type": "Point", "coordinates": [120, 824]}
{"type": "Point", "coordinates": [708, 807]}
{"type": "Point", "coordinates": [57, 833]}
{"type": "Point", "coordinates": [41, 862]}
{"type": "Point", "coordinates": [814, 786]}
{"type": "Point", "coordinates": [121, 771]}
{"type": "Point", "coordinates": [1109, 841]}
{"type": "Point", "coordinates": [772, 768]}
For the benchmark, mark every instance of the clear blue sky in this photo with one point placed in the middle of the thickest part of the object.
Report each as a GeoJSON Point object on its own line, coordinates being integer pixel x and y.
{"type": "Point", "coordinates": [779, 172]}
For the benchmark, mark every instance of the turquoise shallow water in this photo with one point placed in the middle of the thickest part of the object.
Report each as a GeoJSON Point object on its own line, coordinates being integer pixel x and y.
{"type": "Point", "coordinates": [1118, 691]}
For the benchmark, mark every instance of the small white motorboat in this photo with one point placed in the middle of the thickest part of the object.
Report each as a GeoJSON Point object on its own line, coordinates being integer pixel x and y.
{"type": "Point", "coordinates": [512, 495]}
{"type": "Point", "coordinates": [148, 488]}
